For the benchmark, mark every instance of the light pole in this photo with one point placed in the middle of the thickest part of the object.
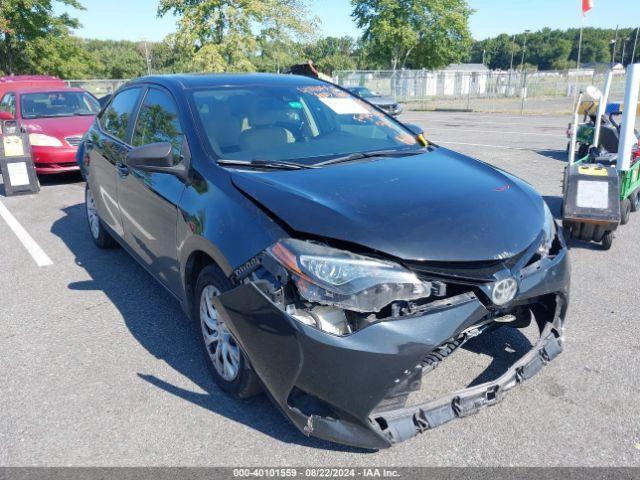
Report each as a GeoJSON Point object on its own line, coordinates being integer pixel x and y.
{"type": "Point", "coordinates": [615, 44]}
{"type": "Point", "coordinates": [633, 54]}
{"type": "Point", "coordinates": [524, 48]}
{"type": "Point", "coordinates": [513, 49]}
{"type": "Point", "coordinates": [146, 56]}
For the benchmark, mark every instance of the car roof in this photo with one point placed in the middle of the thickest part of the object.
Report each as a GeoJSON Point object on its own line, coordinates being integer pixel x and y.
{"type": "Point", "coordinates": [204, 80]}
{"type": "Point", "coordinates": [46, 89]}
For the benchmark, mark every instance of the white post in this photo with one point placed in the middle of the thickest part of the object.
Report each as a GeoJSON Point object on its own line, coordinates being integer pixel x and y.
{"type": "Point", "coordinates": [629, 111]}
{"type": "Point", "coordinates": [574, 131]}
{"type": "Point", "coordinates": [602, 106]}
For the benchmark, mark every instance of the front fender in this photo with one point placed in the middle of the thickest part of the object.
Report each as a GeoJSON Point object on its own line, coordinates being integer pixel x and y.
{"type": "Point", "coordinates": [216, 219]}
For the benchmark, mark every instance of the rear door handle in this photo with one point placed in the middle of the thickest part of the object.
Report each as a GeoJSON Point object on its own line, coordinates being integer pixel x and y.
{"type": "Point", "coordinates": [122, 169]}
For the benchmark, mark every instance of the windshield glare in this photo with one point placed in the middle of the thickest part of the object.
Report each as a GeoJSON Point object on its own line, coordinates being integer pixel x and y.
{"type": "Point", "coordinates": [57, 104]}
{"type": "Point", "coordinates": [307, 123]}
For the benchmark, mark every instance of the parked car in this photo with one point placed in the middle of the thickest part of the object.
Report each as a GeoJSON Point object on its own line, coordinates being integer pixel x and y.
{"type": "Point", "coordinates": [388, 104]}
{"type": "Point", "coordinates": [14, 82]}
{"type": "Point", "coordinates": [327, 253]}
{"type": "Point", "coordinates": [56, 119]}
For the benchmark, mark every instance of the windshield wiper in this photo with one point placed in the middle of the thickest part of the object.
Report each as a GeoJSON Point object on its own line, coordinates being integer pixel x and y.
{"type": "Point", "coordinates": [275, 164]}
{"type": "Point", "coordinates": [376, 153]}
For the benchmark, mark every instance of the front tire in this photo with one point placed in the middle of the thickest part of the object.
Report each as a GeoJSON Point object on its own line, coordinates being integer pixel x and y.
{"type": "Point", "coordinates": [607, 240]}
{"type": "Point", "coordinates": [625, 211]}
{"type": "Point", "coordinates": [227, 362]}
{"type": "Point", "coordinates": [101, 237]}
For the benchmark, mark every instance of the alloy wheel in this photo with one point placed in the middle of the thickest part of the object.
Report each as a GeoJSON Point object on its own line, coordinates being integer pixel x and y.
{"type": "Point", "coordinates": [92, 215]}
{"type": "Point", "coordinates": [222, 348]}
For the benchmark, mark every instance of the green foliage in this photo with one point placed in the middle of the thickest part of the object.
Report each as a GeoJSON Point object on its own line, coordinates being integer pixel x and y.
{"type": "Point", "coordinates": [332, 53]}
{"type": "Point", "coordinates": [116, 59]}
{"type": "Point", "coordinates": [554, 49]}
{"type": "Point", "coordinates": [220, 34]}
{"type": "Point", "coordinates": [414, 33]}
{"type": "Point", "coordinates": [271, 35]}
{"type": "Point", "coordinates": [28, 30]}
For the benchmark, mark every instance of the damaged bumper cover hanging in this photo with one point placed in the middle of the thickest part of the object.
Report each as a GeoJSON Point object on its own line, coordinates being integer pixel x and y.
{"type": "Point", "coordinates": [353, 389]}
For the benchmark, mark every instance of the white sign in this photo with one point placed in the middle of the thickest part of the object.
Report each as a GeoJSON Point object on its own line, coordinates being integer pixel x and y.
{"type": "Point", "coordinates": [344, 106]}
{"type": "Point", "coordinates": [592, 194]}
{"type": "Point", "coordinates": [18, 174]}
{"type": "Point", "coordinates": [13, 146]}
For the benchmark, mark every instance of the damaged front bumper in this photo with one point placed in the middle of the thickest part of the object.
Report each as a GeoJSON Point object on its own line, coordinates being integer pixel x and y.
{"type": "Point", "coordinates": [353, 389]}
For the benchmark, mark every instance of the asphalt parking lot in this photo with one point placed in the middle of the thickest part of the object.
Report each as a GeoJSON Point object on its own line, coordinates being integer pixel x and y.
{"type": "Point", "coordinates": [99, 365]}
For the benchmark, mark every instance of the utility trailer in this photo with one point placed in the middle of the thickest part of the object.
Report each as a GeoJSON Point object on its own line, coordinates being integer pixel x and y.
{"type": "Point", "coordinates": [601, 189]}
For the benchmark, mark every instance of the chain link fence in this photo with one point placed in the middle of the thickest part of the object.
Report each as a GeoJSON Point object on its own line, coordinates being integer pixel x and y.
{"type": "Point", "coordinates": [548, 92]}
{"type": "Point", "coordinates": [99, 88]}
{"type": "Point", "coordinates": [482, 90]}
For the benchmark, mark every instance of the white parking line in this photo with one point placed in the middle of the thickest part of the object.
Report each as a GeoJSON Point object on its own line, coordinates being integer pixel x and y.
{"type": "Point", "coordinates": [487, 146]}
{"type": "Point", "coordinates": [41, 258]}
{"type": "Point", "coordinates": [459, 130]}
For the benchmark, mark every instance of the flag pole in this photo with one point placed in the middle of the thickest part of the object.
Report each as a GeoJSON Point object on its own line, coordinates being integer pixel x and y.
{"type": "Point", "coordinates": [580, 41]}
{"type": "Point", "coordinates": [575, 90]}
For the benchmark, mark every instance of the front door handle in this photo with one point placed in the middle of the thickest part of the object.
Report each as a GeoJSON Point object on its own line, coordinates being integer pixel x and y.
{"type": "Point", "coordinates": [122, 169]}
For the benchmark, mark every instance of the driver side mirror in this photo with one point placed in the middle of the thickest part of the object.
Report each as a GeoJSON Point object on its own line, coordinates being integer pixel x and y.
{"type": "Point", "coordinates": [156, 157]}
{"type": "Point", "coordinates": [6, 116]}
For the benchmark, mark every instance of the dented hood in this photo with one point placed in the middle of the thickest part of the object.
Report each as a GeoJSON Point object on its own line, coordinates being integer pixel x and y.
{"type": "Point", "coordinates": [436, 206]}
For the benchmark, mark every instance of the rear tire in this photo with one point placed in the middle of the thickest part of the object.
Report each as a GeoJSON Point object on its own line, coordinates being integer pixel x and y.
{"type": "Point", "coordinates": [227, 362]}
{"type": "Point", "coordinates": [625, 211]}
{"type": "Point", "coordinates": [101, 237]}
{"type": "Point", "coordinates": [635, 201]}
{"type": "Point", "coordinates": [607, 240]}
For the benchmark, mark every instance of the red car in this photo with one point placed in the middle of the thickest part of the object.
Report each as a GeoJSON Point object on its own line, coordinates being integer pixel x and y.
{"type": "Point", "coordinates": [56, 119]}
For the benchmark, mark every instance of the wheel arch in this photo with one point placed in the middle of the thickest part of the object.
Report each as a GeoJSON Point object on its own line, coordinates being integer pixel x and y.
{"type": "Point", "coordinates": [200, 254]}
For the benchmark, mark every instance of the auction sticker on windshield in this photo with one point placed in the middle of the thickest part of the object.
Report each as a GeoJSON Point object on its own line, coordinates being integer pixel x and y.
{"type": "Point", "coordinates": [344, 106]}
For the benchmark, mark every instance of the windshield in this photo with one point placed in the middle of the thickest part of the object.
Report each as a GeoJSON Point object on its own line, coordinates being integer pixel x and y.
{"type": "Point", "coordinates": [363, 92]}
{"type": "Point", "coordinates": [306, 124]}
{"type": "Point", "coordinates": [57, 104]}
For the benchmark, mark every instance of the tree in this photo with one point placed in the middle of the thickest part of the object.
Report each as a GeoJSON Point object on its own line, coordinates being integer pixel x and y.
{"type": "Point", "coordinates": [416, 33]}
{"type": "Point", "coordinates": [330, 54]}
{"type": "Point", "coordinates": [221, 34]}
{"type": "Point", "coordinates": [23, 22]}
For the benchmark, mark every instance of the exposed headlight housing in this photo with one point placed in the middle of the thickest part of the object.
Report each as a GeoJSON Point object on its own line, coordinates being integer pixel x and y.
{"type": "Point", "coordinates": [549, 231]}
{"type": "Point", "coordinates": [339, 278]}
{"type": "Point", "coordinates": [41, 140]}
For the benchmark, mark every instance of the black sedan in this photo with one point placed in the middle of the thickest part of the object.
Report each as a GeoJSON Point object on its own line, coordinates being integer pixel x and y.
{"type": "Point", "coordinates": [388, 104]}
{"type": "Point", "coordinates": [328, 253]}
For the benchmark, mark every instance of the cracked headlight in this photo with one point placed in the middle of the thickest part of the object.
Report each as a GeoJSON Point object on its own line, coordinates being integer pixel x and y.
{"type": "Point", "coordinates": [549, 231]}
{"type": "Point", "coordinates": [335, 277]}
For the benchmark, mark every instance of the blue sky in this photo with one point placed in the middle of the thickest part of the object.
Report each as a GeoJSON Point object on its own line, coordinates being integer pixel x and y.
{"type": "Point", "coordinates": [136, 19]}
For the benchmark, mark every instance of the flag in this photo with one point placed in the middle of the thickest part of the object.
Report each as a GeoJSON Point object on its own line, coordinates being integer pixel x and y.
{"type": "Point", "coordinates": [586, 6]}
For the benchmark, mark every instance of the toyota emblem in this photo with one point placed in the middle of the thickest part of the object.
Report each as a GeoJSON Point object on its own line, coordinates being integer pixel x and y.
{"type": "Point", "coordinates": [504, 291]}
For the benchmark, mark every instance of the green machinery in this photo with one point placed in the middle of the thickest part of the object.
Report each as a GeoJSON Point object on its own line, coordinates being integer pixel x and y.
{"type": "Point", "coordinates": [602, 188]}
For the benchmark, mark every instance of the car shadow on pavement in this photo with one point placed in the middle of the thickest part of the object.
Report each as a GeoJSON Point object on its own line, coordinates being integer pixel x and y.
{"type": "Point", "coordinates": [157, 322]}
{"type": "Point", "coordinates": [59, 179]}
{"type": "Point", "coordinates": [49, 180]}
{"type": "Point", "coordinates": [560, 155]}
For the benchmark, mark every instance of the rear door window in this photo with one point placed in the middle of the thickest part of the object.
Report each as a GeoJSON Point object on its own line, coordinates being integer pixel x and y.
{"type": "Point", "coordinates": [118, 116]}
{"type": "Point", "coordinates": [8, 104]}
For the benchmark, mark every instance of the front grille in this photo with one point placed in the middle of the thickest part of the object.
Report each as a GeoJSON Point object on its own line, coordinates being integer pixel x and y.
{"type": "Point", "coordinates": [74, 141]}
